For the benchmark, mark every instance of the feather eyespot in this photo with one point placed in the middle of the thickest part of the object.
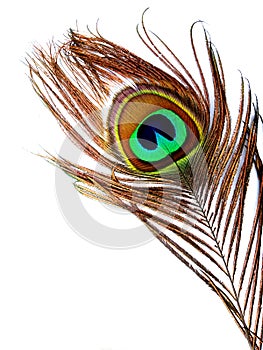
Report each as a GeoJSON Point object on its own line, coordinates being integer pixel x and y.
{"type": "Point", "coordinates": [152, 129]}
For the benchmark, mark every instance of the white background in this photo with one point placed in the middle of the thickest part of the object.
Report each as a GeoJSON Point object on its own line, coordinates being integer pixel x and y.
{"type": "Point", "coordinates": [57, 291]}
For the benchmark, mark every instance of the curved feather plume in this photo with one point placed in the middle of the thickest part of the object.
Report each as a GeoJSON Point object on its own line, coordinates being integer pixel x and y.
{"type": "Point", "coordinates": [176, 138]}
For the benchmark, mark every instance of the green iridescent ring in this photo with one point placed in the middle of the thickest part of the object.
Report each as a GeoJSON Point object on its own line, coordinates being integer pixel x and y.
{"type": "Point", "coordinates": [160, 133]}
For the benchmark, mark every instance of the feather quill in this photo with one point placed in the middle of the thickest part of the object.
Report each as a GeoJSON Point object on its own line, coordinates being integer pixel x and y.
{"type": "Point", "coordinates": [199, 207]}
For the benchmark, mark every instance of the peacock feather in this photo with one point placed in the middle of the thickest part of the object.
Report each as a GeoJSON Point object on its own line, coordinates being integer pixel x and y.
{"type": "Point", "coordinates": [173, 138]}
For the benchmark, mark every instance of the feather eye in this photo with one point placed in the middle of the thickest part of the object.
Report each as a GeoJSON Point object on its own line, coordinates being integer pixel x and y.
{"type": "Point", "coordinates": [152, 129]}
{"type": "Point", "coordinates": [165, 135]}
